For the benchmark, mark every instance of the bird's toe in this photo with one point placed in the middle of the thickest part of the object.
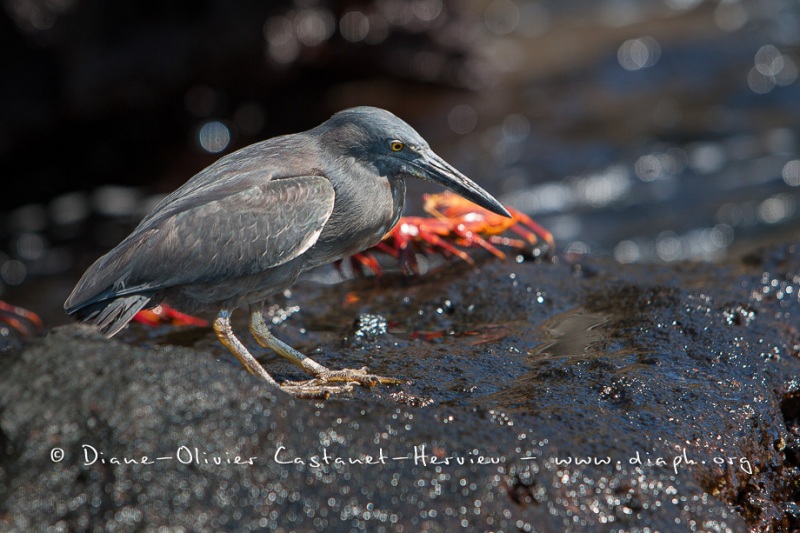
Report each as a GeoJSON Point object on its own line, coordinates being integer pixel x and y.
{"type": "Point", "coordinates": [315, 389]}
{"type": "Point", "coordinates": [360, 376]}
{"type": "Point", "coordinates": [336, 382]}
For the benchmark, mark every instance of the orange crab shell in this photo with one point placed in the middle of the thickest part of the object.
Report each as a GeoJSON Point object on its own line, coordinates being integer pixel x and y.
{"type": "Point", "coordinates": [470, 218]}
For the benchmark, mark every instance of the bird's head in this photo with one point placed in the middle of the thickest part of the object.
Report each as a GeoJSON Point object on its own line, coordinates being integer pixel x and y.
{"type": "Point", "coordinates": [396, 150]}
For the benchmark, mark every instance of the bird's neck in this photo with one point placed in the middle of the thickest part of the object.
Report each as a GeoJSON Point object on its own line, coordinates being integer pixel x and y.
{"type": "Point", "coordinates": [398, 188]}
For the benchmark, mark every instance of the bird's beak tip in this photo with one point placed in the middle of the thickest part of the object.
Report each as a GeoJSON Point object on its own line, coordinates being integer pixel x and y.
{"type": "Point", "coordinates": [436, 169]}
{"type": "Point", "coordinates": [497, 208]}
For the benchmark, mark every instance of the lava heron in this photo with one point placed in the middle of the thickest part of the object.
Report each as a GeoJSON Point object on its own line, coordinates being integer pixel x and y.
{"type": "Point", "coordinates": [245, 228]}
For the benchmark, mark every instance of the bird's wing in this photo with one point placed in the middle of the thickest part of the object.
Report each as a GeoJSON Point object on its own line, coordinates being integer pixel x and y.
{"type": "Point", "coordinates": [243, 233]}
{"type": "Point", "coordinates": [227, 176]}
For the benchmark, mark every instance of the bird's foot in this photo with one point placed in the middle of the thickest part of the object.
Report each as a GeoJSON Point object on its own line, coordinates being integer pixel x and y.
{"type": "Point", "coordinates": [359, 376]}
{"type": "Point", "coordinates": [314, 389]}
{"type": "Point", "coordinates": [336, 381]}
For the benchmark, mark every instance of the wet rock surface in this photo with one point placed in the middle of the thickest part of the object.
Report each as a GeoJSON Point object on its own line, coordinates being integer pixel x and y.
{"type": "Point", "coordinates": [544, 396]}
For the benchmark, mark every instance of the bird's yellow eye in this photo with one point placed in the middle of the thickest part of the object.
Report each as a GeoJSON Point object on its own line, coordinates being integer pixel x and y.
{"type": "Point", "coordinates": [396, 146]}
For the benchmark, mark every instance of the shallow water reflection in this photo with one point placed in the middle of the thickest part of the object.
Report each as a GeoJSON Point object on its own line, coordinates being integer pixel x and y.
{"type": "Point", "coordinates": [570, 334]}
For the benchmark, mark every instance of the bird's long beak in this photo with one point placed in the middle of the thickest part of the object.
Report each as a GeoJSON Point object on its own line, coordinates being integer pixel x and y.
{"type": "Point", "coordinates": [431, 167]}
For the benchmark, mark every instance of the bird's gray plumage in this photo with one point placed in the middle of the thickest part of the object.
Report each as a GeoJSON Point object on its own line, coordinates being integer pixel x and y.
{"type": "Point", "coordinates": [245, 227]}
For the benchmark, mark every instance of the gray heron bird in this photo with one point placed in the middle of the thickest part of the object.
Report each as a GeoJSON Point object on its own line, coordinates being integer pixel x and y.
{"type": "Point", "coordinates": [245, 227]}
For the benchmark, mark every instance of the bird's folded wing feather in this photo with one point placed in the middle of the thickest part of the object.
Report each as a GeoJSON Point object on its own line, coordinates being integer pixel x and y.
{"type": "Point", "coordinates": [247, 232]}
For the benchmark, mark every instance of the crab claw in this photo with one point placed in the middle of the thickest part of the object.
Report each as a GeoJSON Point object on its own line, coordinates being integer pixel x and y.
{"type": "Point", "coordinates": [361, 262]}
{"type": "Point", "coordinates": [537, 229]}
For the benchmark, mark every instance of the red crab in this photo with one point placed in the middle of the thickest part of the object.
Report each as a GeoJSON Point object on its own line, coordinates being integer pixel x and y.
{"type": "Point", "coordinates": [25, 322]}
{"type": "Point", "coordinates": [457, 224]}
{"type": "Point", "coordinates": [164, 314]}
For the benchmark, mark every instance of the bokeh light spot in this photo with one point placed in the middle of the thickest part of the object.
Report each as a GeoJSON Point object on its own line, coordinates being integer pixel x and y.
{"type": "Point", "coordinates": [668, 246]}
{"type": "Point", "coordinates": [282, 44]}
{"type": "Point", "coordinates": [501, 17]}
{"type": "Point", "coordinates": [13, 272]}
{"type": "Point", "coordinates": [730, 16]}
{"type": "Point", "coordinates": [635, 54]}
{"type": "Point", "coordinates": [354, 26]}
{"type": "Point", "coordinates": [776, 208]}
{"type": "Point", "coordinates": [214, 137]}
{"type": "Point", "coordinates": [791, 173]}
{"type": "Point", "coordinates": [707, 158]}
{"type": "Point", "coordinates": [69, 208]}
{"type": "Point", "coordinates": [599, 190]}
{"type": "Point", "coordinates": [648, 168]}
{"type": "Point", "coordinates": [627, 252]}
{"type": "Point", "coordinates": [30, 246]}
{"type": "Point", "coordinates": [278, 30]}
{"type": "Point", "coordinates": [551, 197]}
{"type": "Point", "coordinates": [771, 68]}
{"type": "Point", "coordinates": [769, 60]}
{"type": "Point", "coordinates": [116, 201]}
{"type": "Point", "coordinates": [426, 10]}
{"type": "Point", "coordinates": [313, 26]}
{"type": "Point", "coordinates": [759, 83]}
{"type": "Point", "coordinates": [721, 235]}
{"type": "Point", "coordinates": [462, 119]}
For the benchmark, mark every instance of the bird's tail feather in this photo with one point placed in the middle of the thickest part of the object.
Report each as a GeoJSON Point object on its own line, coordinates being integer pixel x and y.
{"type": "Point", "coordinates": [112, 315]}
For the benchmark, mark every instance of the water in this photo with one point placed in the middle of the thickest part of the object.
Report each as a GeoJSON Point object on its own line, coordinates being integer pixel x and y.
{"type": "Point", "coordinates": [570, 334]}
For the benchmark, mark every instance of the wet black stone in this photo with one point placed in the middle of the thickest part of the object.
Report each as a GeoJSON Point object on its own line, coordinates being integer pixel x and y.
{"type": "Point", "coordinates": [684, 415]}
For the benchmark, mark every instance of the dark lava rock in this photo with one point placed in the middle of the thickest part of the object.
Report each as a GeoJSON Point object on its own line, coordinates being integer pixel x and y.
{"type": "Point", "coordinates": [541, 397]}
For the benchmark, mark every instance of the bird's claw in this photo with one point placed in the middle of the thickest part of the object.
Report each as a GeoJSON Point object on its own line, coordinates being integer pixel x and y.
{"type": "Point", "coordinates": [314, 389]}
{"type": "Point", "coordinates": [359, 376]}
{"type": "Point", "coordinates": [336, 381]}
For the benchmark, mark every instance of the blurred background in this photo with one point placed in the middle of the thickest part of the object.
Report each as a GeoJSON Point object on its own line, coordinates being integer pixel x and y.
{"type": "Point", "coordinates": [646, 130]}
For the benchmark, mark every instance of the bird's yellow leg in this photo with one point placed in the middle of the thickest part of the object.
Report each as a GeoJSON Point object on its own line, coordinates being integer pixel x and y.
{"type": "Point", "coordinates": [322, 375]}
{"type": "Point", "coordinates": [262, 334]}
{"type": "Point", "coordinates": [222, 327]}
